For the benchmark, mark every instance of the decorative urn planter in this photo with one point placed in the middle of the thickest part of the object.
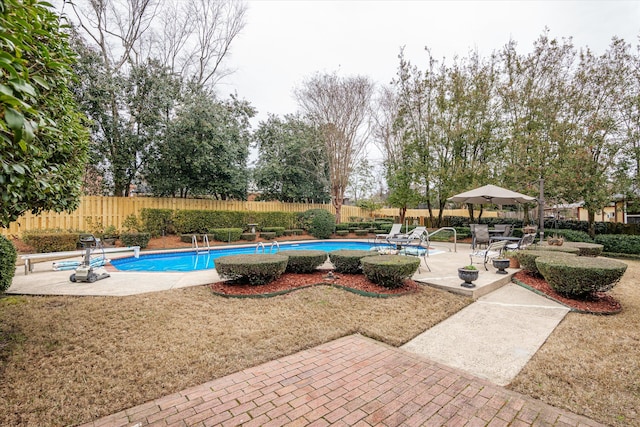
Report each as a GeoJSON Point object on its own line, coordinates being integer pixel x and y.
{"type": "Point", "coordinates": [501, 264]}
{"type": "Point", "coordinates": [468, 276]}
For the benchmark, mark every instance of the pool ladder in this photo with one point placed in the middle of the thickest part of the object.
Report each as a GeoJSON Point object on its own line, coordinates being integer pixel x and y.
{"type": "Point", "coordinates": [273, 245]}
{"type": "Point", "coordinates": [205, 243]}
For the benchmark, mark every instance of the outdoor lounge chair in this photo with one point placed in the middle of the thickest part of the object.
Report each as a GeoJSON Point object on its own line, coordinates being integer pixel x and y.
{"type": "Point", "coordinates": [395, 230]}
{"type": "Point", "coordinates": [415, 237]}
{"type": "Point", "coordinates": [492, 251]}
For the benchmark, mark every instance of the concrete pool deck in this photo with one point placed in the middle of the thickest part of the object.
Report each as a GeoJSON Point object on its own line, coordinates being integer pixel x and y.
{"type": "Point", "coordinates": [44, 281]}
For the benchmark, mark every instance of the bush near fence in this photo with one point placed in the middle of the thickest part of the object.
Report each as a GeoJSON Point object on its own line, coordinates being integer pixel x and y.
{"type": "Point", "coordinates": [205, 221]}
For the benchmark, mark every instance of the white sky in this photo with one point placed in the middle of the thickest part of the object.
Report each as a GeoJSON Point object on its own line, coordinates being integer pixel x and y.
{"type": "Point", "coordinates": [285, 42]}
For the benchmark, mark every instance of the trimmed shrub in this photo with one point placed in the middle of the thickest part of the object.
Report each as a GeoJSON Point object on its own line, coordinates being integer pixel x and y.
{"type": "Point", "coordinates": [254, 269]}
{"type": "Point", "coordinates": [586, 249]}
{"type": "Point", "coordinates": [527, 258]}
{"type": "Point", "coordinates": [248, 236]}
{"type": "Point", "coordinates": [270, 219]}
{"type": "Point", "coordinates": [348, 261]}
{"type": "Point", "coordinates": [226, 234]}
{"type": "Point", "coordinates": [304, 261]}
{"type": "Point", "coordinates": [8, 256]}
{"type": "Point", "coordinates": [342, 232]}
{"type": "Point", "coordinates": [580, 277]}
{"type": "Point", "coordinates": [570, 235]}
{"type": "Point", "coordinates": [318, 222]}
{"type": "Point", "coordinates": [361, 232]}
{"type": "Point", "coordinates": [389, 270]}
{"type": "Point", "coordinates": [51, 242]}
{"type": "Point", "coordinates": [550, 248]}
{"type": "Point", "coordinates": [343, 226]}
{"type": "Point", "coordinates": [268, 235]}
{"type": "Point", "coordinates": [619, 243]}
{"type": "Point", "coordinates": [288, 232]}
{"type": "Point", "coordinates": [298, 231]}
{"type": "Point", "coordinates": [278, 230]}
{"type": "Point", "coordinates": [136, 239]}
{"type": "Point", "coordinates": [154, 221]}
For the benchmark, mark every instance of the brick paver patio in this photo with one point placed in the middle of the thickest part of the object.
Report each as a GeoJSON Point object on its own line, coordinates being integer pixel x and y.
{"type": "Point", "coordinates": [352, 381]}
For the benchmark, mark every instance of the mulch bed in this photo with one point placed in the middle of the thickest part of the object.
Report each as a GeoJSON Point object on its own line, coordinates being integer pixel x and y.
{"type": "Point", "coordinates": [288, 282]}
{"type": "Point", "coordinates": [602, 303]}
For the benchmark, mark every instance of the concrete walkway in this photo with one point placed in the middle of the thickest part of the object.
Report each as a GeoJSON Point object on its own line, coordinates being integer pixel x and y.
{"type": "Point", "coordinates": [494, 337]}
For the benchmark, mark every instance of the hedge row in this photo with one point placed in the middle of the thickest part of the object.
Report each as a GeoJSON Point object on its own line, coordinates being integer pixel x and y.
{"type": "Point", "coordinates": [52, 242]}
{"type": "Point", "coordinates": [155, 221]}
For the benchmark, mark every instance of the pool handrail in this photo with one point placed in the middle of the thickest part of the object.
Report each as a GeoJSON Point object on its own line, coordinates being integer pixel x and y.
{"type": "Point", "coordinates": [258, 245]}
{"type": "Point", "coordinates": [275, 242]}
{"type": "Point", "coordinates": [455, 238]}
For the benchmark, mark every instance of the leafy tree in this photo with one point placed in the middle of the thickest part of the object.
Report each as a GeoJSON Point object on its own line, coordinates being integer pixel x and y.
{"type": "Point", "coordinates": [292, 163]}
{"type": "Point", "coordinates": [43, 143]}
{"type": "Point", "coordinates": [205, 150]}
{"type": "Point", "coordinates": [132, 72]}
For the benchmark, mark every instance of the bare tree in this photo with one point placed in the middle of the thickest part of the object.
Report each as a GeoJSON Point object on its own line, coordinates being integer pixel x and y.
{"type": "Point", "coordinates": [195, 36]}
{"type": "Point", "coordinates": [340, 108]}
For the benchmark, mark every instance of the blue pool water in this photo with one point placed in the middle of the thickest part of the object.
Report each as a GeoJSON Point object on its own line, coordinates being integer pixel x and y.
{"type": "Point", "coordinates": [190, 261]}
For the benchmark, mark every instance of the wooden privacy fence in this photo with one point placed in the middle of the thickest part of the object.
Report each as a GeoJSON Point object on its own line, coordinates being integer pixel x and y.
{"type": "Point", "coordinates": [114, 210]}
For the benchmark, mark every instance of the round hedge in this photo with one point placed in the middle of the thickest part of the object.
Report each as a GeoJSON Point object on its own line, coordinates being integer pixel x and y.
{"type": "Point", "coordinates": [347, 261]}
{"type": "Point", "coordinates": [586, 249]}
{"type": "Point", "coordinates": [580, 277]}
{"type": "Point", "coordinates": [254, 269]}
{"type": "Point", "coordinates": [550, 248]}
{"type": "Point", "coordinates": [389, 270]}
{"type": "Point", "coordinates": [527, 258]}
{"type": "Point", "coordinates": [304, 261]}
{"type": "Point", "coordinates": [8, 256]}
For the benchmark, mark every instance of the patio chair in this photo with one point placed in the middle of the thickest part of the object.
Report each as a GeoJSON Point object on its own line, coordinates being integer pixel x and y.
{"type": "Point", "coordinates": [525, 241]}
{"type": "Point", "coordinates": [416, 236]}
{"type": "Point", "coordinates": [492, 251]}
{"type": "Point", "coordinates": [395, 230]}
{"type": "Point", "coordinates": [508, 230]}
{"type": "Point", "coordinates": [480, 235]}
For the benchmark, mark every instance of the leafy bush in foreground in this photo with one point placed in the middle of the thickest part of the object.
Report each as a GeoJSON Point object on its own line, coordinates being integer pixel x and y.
{"type": "Point", "coordinates": [8, 256]}
{"type": "Point", "coordinates": [348, 261]}
{"type": "Point", "coordinates": [254, 269]}
{"type": "Point", "coordinates": [389, 270]}
{"type": "Point", "coordinates": [580, 277]}
{"type": "Point", "coordinates": [304, 261]}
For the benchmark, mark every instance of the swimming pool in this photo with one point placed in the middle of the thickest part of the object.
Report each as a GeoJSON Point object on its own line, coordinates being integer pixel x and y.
{"type": "Point", "coordinates": [191, 261]}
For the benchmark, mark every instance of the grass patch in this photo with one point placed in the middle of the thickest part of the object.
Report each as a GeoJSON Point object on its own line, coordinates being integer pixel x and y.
{"type": "Point", "coordinates": [80, 358]}
{"type": "Point", "coordinates": [590, 364]}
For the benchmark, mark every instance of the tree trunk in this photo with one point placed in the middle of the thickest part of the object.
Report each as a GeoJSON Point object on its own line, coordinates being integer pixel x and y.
{"type": "Point", "coordinates": [471, 217]}
{"type": "Point", "coordinates": [338, 205]}
{"type": "Point", "coordinates": [403, 213]}
{"type": "Point", "coordinates": [592, 223]}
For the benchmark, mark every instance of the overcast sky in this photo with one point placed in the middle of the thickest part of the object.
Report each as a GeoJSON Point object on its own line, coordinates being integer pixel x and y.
{"type": "Point", "coordinates": [285, 42]}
